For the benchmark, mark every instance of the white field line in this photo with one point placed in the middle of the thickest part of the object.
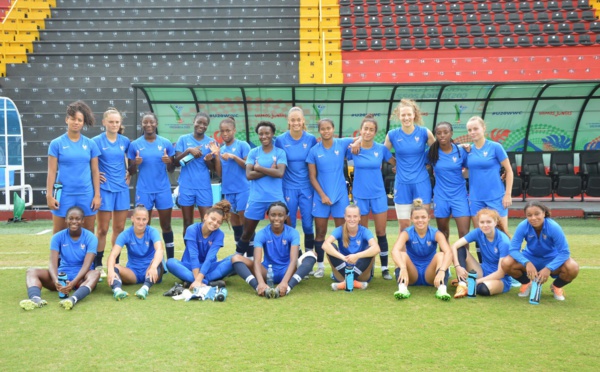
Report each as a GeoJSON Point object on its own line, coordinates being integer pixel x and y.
{"type": "Point", "coordinates": [43, 232]}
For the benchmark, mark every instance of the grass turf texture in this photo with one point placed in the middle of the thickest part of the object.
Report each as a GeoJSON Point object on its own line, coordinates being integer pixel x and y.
{"type": "Point", "coordinates": [312, 328]}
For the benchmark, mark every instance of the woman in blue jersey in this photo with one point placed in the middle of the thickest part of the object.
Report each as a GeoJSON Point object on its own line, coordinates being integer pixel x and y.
{"type": "Point", "coordinates": [409, 143]}
{"type": "Point", "coordinates": [368, 189]}
{"type": "Point", "coordinates": [114, 181]}
{"type": "Point", "coordinates": [485, 184]}
{"type": "Point", "coordinates": [450, 191]}
{"type": "Point", "coordinates": [194, 179]}
{"type": "Point", "coordinates": [73, 167]}
{"type": "Point", "coordinates": [326, 171]}
{"type": "Point", "coordinates": [144, 256]}
{"type": "Point", "coordinates": [494, 241]}
{"type": "Point", "coordinates": [152, 156]}
{"type": "Point", "coordinates": [297, 191]}
{"type": "Point", "coordinates": [199, 265]}
{"type": "Point", "coordinates": [546, 252]}
{"type": "Point", "coordinates": [356, 246]}
{"type": "Point", "coordinates": [72, 252]}
{"type": "Point", "coordinates": [234, 184]}
{"type": "Point", "coordinates": [416, 257]}
{"type": "Point", "coordinates": [265, 167]}
{"type": "Point", "coordinates": [279, 244]}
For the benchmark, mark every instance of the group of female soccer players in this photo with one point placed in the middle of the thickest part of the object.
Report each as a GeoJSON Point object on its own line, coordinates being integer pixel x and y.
{"type": "Point", "coordinates": [282, 176]}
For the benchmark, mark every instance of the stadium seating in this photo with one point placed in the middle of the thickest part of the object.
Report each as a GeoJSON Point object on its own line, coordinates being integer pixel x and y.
{"type": "Point", "coordinates": [589, 165]}
{"type": "Point", "coordinates": [562, 170]}
{"type": "Point", "coordinates": [537, 182]}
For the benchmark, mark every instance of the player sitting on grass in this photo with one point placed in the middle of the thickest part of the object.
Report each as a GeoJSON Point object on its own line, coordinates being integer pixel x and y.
{"type": "Point", "coordinates": [357, 247]}
{"type": "Point", "coordinates": [199, 266]}
{"type": "Point", "coordinates": [416, 257]}
{"type": "Point", "coordinates": [545, 254]}
{"type": "Point", "coordinates": [144, 256]}
{"type": "Point", "coordinates": [492, 238]}
{"type": "Point", "coordinates": [279, 243]}
{"type": "Point", "coordinates": [75, 247]}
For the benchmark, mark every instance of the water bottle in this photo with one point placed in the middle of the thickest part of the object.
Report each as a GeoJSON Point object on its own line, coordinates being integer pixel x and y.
{"type": "Point", "coordinates": [270, 282]}
{"type": "Point", "coordinates": [221, 295]}
{"type": "Point", "coordinates": [536, 293]}
{"type": "Point", "coordinates": [62, 280]}
{"type": "Point", "coordinates": [472, 284]}
{"type": "Point", "coordinates": [186, 159]}
{"type": "Point", "coordinates": [57, 191]}
{"type": "Point", "coordinates": [349, 271]}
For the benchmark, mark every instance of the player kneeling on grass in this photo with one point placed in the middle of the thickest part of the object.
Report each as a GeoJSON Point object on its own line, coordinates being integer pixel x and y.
{"type": "Point", "coordinates": [144, 256]}
{"type": "Point", "coordinates": [357, 249]}
{"type": "Point", "coordinates": [545, 254]}
{"type": "Point", "coordinates": [199, 266]}
{"type": "Point", "coordinates": [279, 244]}
{"type": "Point", "coordinates": [416, 257]}
{"type": "Point", "coordinates": [75, 247]}
{"type": "Point", "coordinates": [492, 237]}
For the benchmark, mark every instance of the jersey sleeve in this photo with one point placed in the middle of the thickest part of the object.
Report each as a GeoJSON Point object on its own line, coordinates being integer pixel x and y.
{"type": "Point", "coordinates": [244, 149]}
{"type": "Point", "coordinates": [345, 142]}
{"type": "Point", "coordinates": [387, 154]}
{"type": "Point", "coordinates": [503, 244]}
{"type": "Point", "coordinates": [122, 239]}
{"type": "Point", "coordinates": [500, 153]}
{"type": "Point", "coordinates": [91, 243]}
{"type": "Point", "coordinates": [94, 149]}
{"type": "Point", "coordinates": [337, 233]}
{"type": "Point", "coordinates": [471, 236]}
{"type": "Point", "coordinates": [251, 159]}
{"type": "Point", "coordinates": [259, 238]}
{"type": "Point", "coordinates": [368, 234]}
{"type": "Point", "coordinates": [169, 147]}
{"type": "Point", "coordinates": [53, 149]}
{"type": "Point", "coordinates": [131, 151]}
{"type": "Point", "coordinates": [180, 145]}
{"type": "Point", "coordinates": [295, 237]}
{"type": "Point", "coordinates": [310, 159]}
{"type": "Point", "coordinates": [55, 242]}
{"type": "Point", "coordinates": [154, 234]}
{"type": "Point", "coordinates": [516, 242]}
{"type": "Point", "coordinates": [560, 244]}
{"type": "Point", "coordinates": [463, 155]}
{"type": "Point", "coordinates": [281, 156]}
{"type": "Point", "coordinates": [191, 245]}
{"type": "Point", "coordinates": [211, 256]}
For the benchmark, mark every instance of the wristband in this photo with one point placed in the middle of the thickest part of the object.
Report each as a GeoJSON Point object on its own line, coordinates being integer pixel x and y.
{"type": "Point", "coordinates": [440, 270]}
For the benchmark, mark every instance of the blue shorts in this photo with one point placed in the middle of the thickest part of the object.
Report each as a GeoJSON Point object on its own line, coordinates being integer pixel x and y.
{"type": "Point", "coordinates": [489, 269]}
{"type": "Point", "coordinates": [72, 271]}
{"type": "Point", "coordinates": [300, 198]}
{"type": "Point", "coordinates": [538, 262]}
{"type": "Point", "coordinates": [162, 200]}
{"type": "Point", "coordinates": [140, 274]}
{"type": "Point", "coordinates": [375, 205]}
{"type": "Point", "coordinates": [195, 197]}
{"type": "Point", "coordinates": [278, 271]}
{"type": "Point", "coordinates": [114, 200]}
{"type": "Point", "coordinates": [336, 210]}
{"type": "Point", "coordinates": [67, 201]}
{"type": "Point", "coordinates": [421, 268]}
{"type": "Point", "coordinates": [406, 193]}
{"type": "Point", "coordinates": [238, 200]}
{"type": "Point", "coordinates": [477, 205]}
{"type": "Point", "coordinates": [444, 208]}
{"type": "Point", "coordinates": [256, 210]}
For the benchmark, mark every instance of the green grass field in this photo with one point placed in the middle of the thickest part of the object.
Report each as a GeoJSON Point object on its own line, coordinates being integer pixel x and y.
{"type": "Point", "coordinates": [311, 329]}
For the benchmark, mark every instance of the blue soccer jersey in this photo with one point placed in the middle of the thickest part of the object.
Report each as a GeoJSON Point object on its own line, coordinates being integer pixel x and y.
{"type": "Point", "coordinates": [296, 173]}
{"type": "Point", "coordinates": [551, 245]}
{"type": "Point", "coordinates": [368, 180]}
{"type": "Point", "coordinates": [449, 181]}
{"type": "Point", "coordinates": [358, 243]}
{"type": "Point", "coordinates": [276, 248]}
{"type": "Point", "coordinates": [74, 171]}
{"type": "Point", "coordinates": [411, 154]}
{"type": "Point", "coordinates": [266, 189]}
{"type": "Point", "coordinates": [195, 175]}
{"type": "Point", "coordinates": [491, 252]}
{"type": "Point", "coordinates": [140, 251]}
{"type": "Point", "coordinates": [72, 252]}
{"type": "Point", "coordinates": [233, 178]}
{"type": "Point", "coordinates": [421, 250]}
{"type": "Point", "coordinates": [152, 173]}
{"type": "Point", "coordinates": [330, 167]}
{"type": "Point", "coordinates": [484, 171]}
{"type": "Point", "coordinates": [111, 161]}
{"type": "Point", "coordinates": [200, 252]}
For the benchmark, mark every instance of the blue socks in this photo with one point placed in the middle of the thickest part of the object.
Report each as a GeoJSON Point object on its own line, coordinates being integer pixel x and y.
{"type": "Point", "coordinates": [80, 294]}
{"type": "Point", "coordinates": [34, 294]}
{"type": "Point", "coordinates": [242, 270]}
{"type": "Point", "coordinates": [307, 264]}
{"type": "Point", "coordinates": [169, 244]}
{"type": "Point", "coordinates": [117, 283]}
{"type": "Point", "coordinates": [320, 251]}
{"type": "Point", "coordinates": [383, 255]}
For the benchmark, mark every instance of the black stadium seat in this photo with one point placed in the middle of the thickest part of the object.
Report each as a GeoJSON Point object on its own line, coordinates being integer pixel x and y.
{"type": "Point", "coordinates": [562, 170]}
{"type": "Point", "coordinates": [435, 43]}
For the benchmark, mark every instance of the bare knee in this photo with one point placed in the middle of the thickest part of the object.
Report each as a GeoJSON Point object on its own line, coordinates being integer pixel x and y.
{"type": "Point", "coordinates": [508, 264]}
{"type": "Point", "coordinates": [570, 269]}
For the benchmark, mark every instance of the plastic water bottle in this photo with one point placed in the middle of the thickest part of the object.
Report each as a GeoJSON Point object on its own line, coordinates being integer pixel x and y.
{"type": "Point", "coordinates": [349, 271]}
{"type": "Point", "coordinates": [536, 293]}
{"type": "Point", "coordinates": [472, 284]}
{"type": "Point", "coordinates": [270, 276]}
{"type": "Point", "coordinates": [57, 191]}
{"type": "Point", "coordinates": [62, 279]}
{"type": "Point", "coordinates": [221, 295]}
{"type": "Point", "coordinates": [186, 159]}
